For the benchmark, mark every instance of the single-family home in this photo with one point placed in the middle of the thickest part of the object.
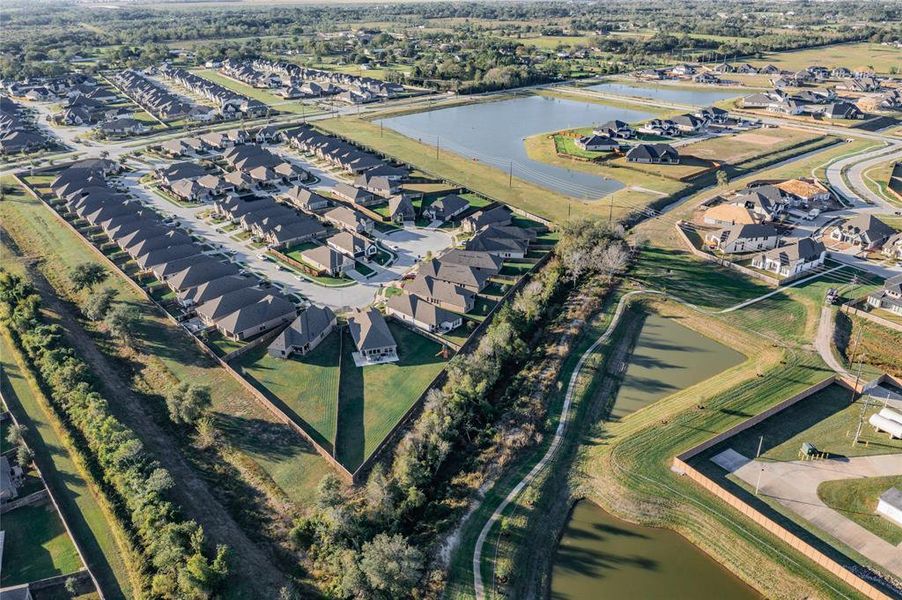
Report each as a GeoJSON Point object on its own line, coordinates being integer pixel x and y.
{"type": "Point", "coordinates": [306, 200]}
{"type": "Point", "coordinates": [327, 261]}
{"type": "Point", "coordinates": [349, 220]}
{"type": "Point", "coordinates": [744, 238]}
{"type": "Point", "coordinates": [427, 316]}
{"type": "Point", "coordinates": [352, 245]}
{"type": "Point", "coordinates": [499, 215]}
{"type": "Point", "coordinates": [805, 191]}
{"type": "Point", "coordinates": [596, 143]}
{"type": "Point", "coordinates": [654, 154]}
{"type": "Point", "coordinates": [442, 293]}
{"type": "Point", "coordinates": [892, 247]}
{"type": "Point", "coordinates": [792, 259]}
{"type": "Point", "coordinates": [355, 194]}
{"type": "Point", "coordinates": [866, 231]}
{"type": "Point", "coordinates": [400, 209]}
{"type": "Point", "coordinates": [445, 209]}
{"type": "Point", "coordinates": [257, 318]}
{"type": "Point", "coordinates": [889, 297]}
{"type": "Point", "coordinates": [372, 337]}
{"type": "Point", "coordinates": [305, 333]}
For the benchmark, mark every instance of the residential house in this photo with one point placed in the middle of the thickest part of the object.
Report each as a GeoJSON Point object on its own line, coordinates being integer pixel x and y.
{"type": "Point", "coordinates": [258, 318]}
{"type": "Point", "coordinates": [442, 293]}
{"type": "Point", "coordinates": [866, 231]}
{"type": "Point", "coordinates": [890, 297]}
{"type": "Point", "coordinates": [355, 194]}
{"type": "Point", "coordinates": [380, 185]}
{"type": "Point", "coordinates": [744, 238]}
{"type": "Point", "coordinates": [349, 220]}
{"type": "Point", "coordinates": [306, 200]}
{"type": "Point", "coordinates": [401, 210]}
{"type": "Point", "coordinates": [213, 289]}
{"type": "Point", "coordinates": [728, 215]}
{"type": "Point", "coordinates": [121, 127]}
{"type": "Point", "coordinates": [596, 143]}
{"type": "Point", "coordinates": [352, 245]}
{"type": "Point", "coordinates": [615, 129]}
{"type": "Point", "coordinates": [427, 316]}
{"type": "Point", "coordinates": [505, 242]}
{"type": "Point", "coordinates": [840, 110]}
{"type": "Point", "coordinates": [689, 123]}
{"type": "Point", "coordinates": [327, 261]}
{"type": "Point", "coordinates": [372, 337]}
{"type": "Point", "coordinates": [793, 259]}
{"type": "Point", "coordinates": [305, 333]}
{"type": "Point", "coordinates": [654, 154]}
{"type": "Point", "coordinates": [805, 192]}
{"type": "Point", "coordinates": [445, 209]}
{"type": "Point", "coordinates": [892, 247]}
{"type": "Point", "coordinates": [499, 215]}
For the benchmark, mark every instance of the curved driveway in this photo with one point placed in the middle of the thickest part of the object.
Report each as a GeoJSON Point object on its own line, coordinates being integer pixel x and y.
{"type": "Point", "coordinates": [857, 165]}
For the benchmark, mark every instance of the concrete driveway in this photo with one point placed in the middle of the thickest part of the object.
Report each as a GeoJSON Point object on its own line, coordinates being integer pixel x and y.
{"type": "Point", "coordinates": [794, 485]}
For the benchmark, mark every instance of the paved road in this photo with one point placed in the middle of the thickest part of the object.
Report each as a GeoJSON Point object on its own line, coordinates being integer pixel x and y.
{"type": "Point", "coordinates": [855, 166]}
{"type": "Point", "coordinates": [794, 485]}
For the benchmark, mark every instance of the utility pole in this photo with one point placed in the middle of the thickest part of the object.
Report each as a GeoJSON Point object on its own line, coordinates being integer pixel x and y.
{"type": "Point", "coordinates": [864, 410]}
{"type": "Point", "coordinates": [510, 175]}
{"type": "Point", "coordinates": [761, 469]}
{"type": "Point", "coordinates": [611, 210]}
{"type": "Point", "coordinates": [437, 142]}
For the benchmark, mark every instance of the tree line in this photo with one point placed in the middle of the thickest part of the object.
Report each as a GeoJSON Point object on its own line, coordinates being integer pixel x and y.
{"type": "Point", "coordinates": [176, 562]}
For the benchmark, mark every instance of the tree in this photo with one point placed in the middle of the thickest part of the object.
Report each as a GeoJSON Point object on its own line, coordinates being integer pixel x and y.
{"type": "Point", "coordinates": [15, 435]}
{"type": "Point", "coordinates": [24, 456]}
{"type": "Point", "coordinates": [71, 585]}
{"type": "Point", "coordinates": [187, 403]}
{"type": "Point", "coordinates": [121, 320]}
{"type": "Point", "coordinates": [98, 304]}
{"type": "Point", "coordinates": [722, 178]}
{"type": "Point", "coordinates": [612, 260]}
{"type": "Point", "coordinates": [87, 275]}
{"type": "Point", "coordinates": [390, 566]}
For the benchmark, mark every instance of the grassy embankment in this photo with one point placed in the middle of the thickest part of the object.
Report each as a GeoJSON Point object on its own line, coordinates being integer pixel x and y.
{"type": "Point", "coordinates": [853, 56]}
{"type": "Point", "coordinates": [877, 180]}
{"type": "Point", "coordinates": [167, 356]}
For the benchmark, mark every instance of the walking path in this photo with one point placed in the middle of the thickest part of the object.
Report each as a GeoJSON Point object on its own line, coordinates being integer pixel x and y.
{"type": "Point", "coordinates": [794, 485]}
{"type": "Point", "coordinates": [552, 449]}
{"type": "Point", "coordinates": [779, 290]}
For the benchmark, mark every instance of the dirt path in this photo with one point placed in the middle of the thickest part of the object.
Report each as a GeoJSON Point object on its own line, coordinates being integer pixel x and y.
{"type": "Point", "coordinates": [552, 449]}
{"type": "Point", "coordinates": [823, 341]}
{"type": "Point", "coordinates": [248, 562]}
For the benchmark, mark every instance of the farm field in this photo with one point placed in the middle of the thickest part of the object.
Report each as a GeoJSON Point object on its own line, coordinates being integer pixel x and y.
{"type": "Point", "coordinates": [36, 545]}
{"type": "Point", "coordinates": [851, 56]}
{"type": "Point", "coordinates": [856, 499]}
{"type": "Point", "coordinates": [374, 398]}
{"type": "Point", "coordinates": [291, 464]}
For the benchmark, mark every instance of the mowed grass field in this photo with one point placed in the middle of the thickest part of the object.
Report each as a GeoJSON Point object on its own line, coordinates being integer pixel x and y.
{"type": "Point", "coordinates": [856, 499]}
{"type": "Point", "coordinates": [169, 356]}
{"type": "Point", "coordinates": [374, 398]}
{"type": "Point", "coordinates": [827, 419]}
{"type": "Point", "coordinates": [36, 546]}
{"type": "Point", "coordinates": [852, 56]}
{"type": "Point", "coordinates": [305, 386]}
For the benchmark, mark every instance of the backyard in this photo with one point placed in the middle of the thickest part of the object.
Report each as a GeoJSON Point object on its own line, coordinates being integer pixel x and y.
{"type": "Point", "coordinates": [374, 398]}
{"type": "Point", "coordinates": [36, 545]}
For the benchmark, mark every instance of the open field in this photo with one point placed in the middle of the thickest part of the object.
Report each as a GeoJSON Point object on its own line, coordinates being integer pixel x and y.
{"type": "Point", "coordinates": [552, 42]}
{"type": "Point", "coordinates": [305, 386]}
{"type": "Point", "coordinates": [474, 175]}
{"type": "Point", "coordinates": [168, 355]}
{"type": "Point", "coordinates": [856, 499]}
{"type": "Point", "coordinates": [746, 145]}
{"type": "Point", "coordinates": [374, 398]}
{"type": "Point", "coordinates": [879, 345]}
{"type": "Point", "coordinates": [36, 545]}
{"type": "Point", "coordinates": [852, 56]}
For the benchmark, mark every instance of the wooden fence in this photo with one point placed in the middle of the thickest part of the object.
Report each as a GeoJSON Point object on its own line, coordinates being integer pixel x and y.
{"type": "Point", "coordinates": [681, 466]}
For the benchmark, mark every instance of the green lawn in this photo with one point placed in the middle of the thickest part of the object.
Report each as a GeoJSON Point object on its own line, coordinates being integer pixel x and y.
{"type": "Point", "coordinates": [698, 282]}
{"type": "Point", "coordinates": [264, 96]}
{"type": "Point", "coordinates": [826, 419]}
{"type": "Point", "coordinates": [305, 386]}
{"type": "Point", "coordinates": [857, 500]}
{"type": "Point", "coordinates": [374, 398]}
{"type": "Point", "coordinates": [36, 545]}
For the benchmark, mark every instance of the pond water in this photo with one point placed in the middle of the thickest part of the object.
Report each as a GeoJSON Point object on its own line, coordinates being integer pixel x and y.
{"type": "Point", "coordinates": [493, 133]}
{"type": "Point", "coordinates": [601, 556]}
{"type": "Point", "coordinates": [667, 358]}
{"type": "Point", "coordinates": [667, 93]}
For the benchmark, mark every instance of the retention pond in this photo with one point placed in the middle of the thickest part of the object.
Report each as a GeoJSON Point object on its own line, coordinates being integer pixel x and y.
{"type": "Point", "coordinates": [493, 133]}
{"type": "Point", "coordinates": [601, 556]}
{"type": "Point", "coordinates": [667, 93]}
